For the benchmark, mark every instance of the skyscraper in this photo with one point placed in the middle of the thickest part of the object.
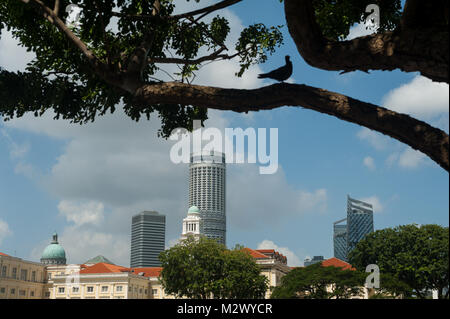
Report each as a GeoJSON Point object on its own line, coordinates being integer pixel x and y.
{"type": "Point", "coordinates": [359, 224]}
{"type": "Point", "coordinates": [340, 239]}
{"type": "Point", "coordinates": [148, 235]}
{"type": "Point", "coordinates": [207, 192]}
{"type": "Point", "coordinates": [359, 221]}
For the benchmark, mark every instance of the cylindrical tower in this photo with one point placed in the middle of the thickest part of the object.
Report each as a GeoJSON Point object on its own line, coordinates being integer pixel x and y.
{"type": "Point", "coordinates": [207, 192]}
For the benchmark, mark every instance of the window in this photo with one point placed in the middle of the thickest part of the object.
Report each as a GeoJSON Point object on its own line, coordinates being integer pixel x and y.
{"type": "Point", "coordinates": [119, 288]}
{"type": "Point", "coordinates": [90, 289]}
{"type": "Point", "coordinates": [31, 293]}
{"type": "Point", "coordinates": [23, 274]}
{"type": "Point", "coordinates": [12, 291]}
{"type": "Point", "coordinates": [47, 294]}
{"type": "Point", "coordinates": [75, 289]}
{"type": "Point", "coordinates": [22, 292]}
{"type": "Point", "coordinates": [33, 276]}
{"type": "Point", "coordinates": [154, 291]}
{"type": "Point", "coordinates": [14, 273]}
{"type": "Point", "coordinates": [2, 290]}
{"type": "Point", "coordinates": [61, 290]}
{"type": "Point", "coordinates": [104, 288]}
{"type": "Point", "coordinates": [4, 268]}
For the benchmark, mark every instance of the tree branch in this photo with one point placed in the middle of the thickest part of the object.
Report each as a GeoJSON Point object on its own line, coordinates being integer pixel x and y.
{"type": "Point", "coordinates": [425, 50]}
{"type": "Point", "coordinates": [417, 134]}
{"type": "Point", "coordinates": [206, 10]}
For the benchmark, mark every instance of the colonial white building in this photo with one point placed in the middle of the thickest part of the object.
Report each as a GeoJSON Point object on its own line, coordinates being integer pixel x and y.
{"type": "Point", "coordinates": [192, 224]}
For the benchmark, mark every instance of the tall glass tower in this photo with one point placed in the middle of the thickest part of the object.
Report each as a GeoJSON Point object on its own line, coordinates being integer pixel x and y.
{"type": "Point", "coordinates": [148, 235]}
{"type": "Point", "coordinates": [207, 192]}
{"type": "Point", "coordinates": [340, 239]}
{"type": "Point", "coordinates": [359, 221]}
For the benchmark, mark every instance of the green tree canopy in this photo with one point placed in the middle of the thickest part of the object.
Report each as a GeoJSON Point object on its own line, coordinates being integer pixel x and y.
{"type": "Point", "coordinates": [114, 56]}
{"type": "Point", "coordinates": [204, 269]}
{"type": "Point", "coordinates": [417, 256]}
{"type": "Point", "coordinates": [319, 282]}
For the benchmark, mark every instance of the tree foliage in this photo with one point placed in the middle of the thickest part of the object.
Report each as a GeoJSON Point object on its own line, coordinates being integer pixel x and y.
{"type": "Point", "coordinates": [206, 269]}
{"type": "Point", "coordinates": [319, 282]}
{"type": "Point", "coordinates": [115, 56]}
{"type": "Point", "coordinates": [416, 257]}
{"type": "Point", "coordinates": [116, 32]}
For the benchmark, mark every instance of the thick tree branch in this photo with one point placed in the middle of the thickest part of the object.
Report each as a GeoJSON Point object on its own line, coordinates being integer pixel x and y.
{"type": "Point", "coordinates": [425, 49]}
{"type": "Point", "coordinates": [417, 134]}
{"type": "Point", "coordinates": [221, 5]}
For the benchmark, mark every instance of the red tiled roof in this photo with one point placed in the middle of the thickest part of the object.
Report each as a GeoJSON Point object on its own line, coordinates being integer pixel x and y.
{"type": "Point", "coordinates": [2, 254]}
{"type": "Point", "coordinates": [270, 251]}
{"type": "Point", "coordinates": [337, 263]}
{"type": "Point", "coordinates": [254, 253]}
{"type": "Point", "coordinates": [102, 268]}
{"type": "Point", "coordinates": [148, 271]}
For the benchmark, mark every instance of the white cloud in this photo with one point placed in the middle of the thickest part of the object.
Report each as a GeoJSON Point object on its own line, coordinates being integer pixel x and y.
{"type": "Point", "coordinates": [13, 57]}
{"type": "Point", "coordinates": [292, 259]}
{"type": "Point", "coordinates": [407, 159]}
{"type": "Point", "coordinates": [421, 98]}
{"type": "Point", "coordinates": [377, 140]}
{"type": "Point", "coordinates": [369, 162]}
{"type": "Point", "coordinates": [4, 230]}
{"type": "Point", "coordinates": [410, 158]}
{"type": "Point", "coordinates": [378, 207]}
{"type": "Point", "coordinates": [85, 213]}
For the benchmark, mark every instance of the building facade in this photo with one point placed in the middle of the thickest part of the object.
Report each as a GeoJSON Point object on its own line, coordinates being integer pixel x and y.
{"type": "Point", "coordinates": [148, 237]}
{"type": "Point", "coordinates": [340, 239]}
{"type": "Point", "coordinates": [349, 231]}
{"type": "Point", "coordinates": [207, 183]}
{"type": "Point", "coordinates": [21, 279]}
{"type": "Point", "coordinates": [359, 221]}
{"type": "Point", "coordinates": [273, 265]}
{"type": "Point", "coordinates": [192, 224]}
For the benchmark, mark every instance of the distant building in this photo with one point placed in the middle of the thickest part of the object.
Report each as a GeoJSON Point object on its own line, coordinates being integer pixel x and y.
{"type": "Point", "coordinates": [273, 265]}
{"type": "Point", "coordinates": [207, 173]}
{"type": "Point", "coordinates": [316, 259]}
{"type": "Point", "coordinates": [340, 239]}
{"type": "Point", "coordinates": [192, 224]}
{"type": "Point", "coordinates": [98, 259]}
{"type": "Point", "coordinates": [359, 223]}
{"type": "Point", "coordinates": [148, 235]}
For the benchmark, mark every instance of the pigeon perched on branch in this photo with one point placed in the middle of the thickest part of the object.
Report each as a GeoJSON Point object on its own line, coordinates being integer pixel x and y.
{"type": "Point", "coordinates": [280, 74]}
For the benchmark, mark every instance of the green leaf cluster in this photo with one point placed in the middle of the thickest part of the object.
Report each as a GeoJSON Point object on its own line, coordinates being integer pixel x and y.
{"type": "Point", "coordinates": [203, 269]}
{"type": "Point", "coordinates": [319, 282]}
{"type": "Point", "coordinates": [415, 257]}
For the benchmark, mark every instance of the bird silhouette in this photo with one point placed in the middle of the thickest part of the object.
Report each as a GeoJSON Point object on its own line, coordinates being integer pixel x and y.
{"type": "Point", "coordinates": [280, 74]}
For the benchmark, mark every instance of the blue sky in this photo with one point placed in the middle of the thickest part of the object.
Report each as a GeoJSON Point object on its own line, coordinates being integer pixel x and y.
{"type": "Point", "coordinates": [86, 182]}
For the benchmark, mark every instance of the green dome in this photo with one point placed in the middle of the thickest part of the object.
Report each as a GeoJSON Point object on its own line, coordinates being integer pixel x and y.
{"type": "Point", "coordinates": [54, 254]}
{"type": "Point", "coordinates": [54, 251]}
{"type": "Point", "coordinates": [193, 209]}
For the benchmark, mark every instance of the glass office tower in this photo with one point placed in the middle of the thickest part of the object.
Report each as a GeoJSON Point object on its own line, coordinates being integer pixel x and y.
{"type": "Point", "coordinates": [340, 239]}
{"type": "Point", "coordinates": [359, 221]}
{"type": "Point", "coordinates": [207, 191]}
{"type": "Point", "coordinates": [148, 235]}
